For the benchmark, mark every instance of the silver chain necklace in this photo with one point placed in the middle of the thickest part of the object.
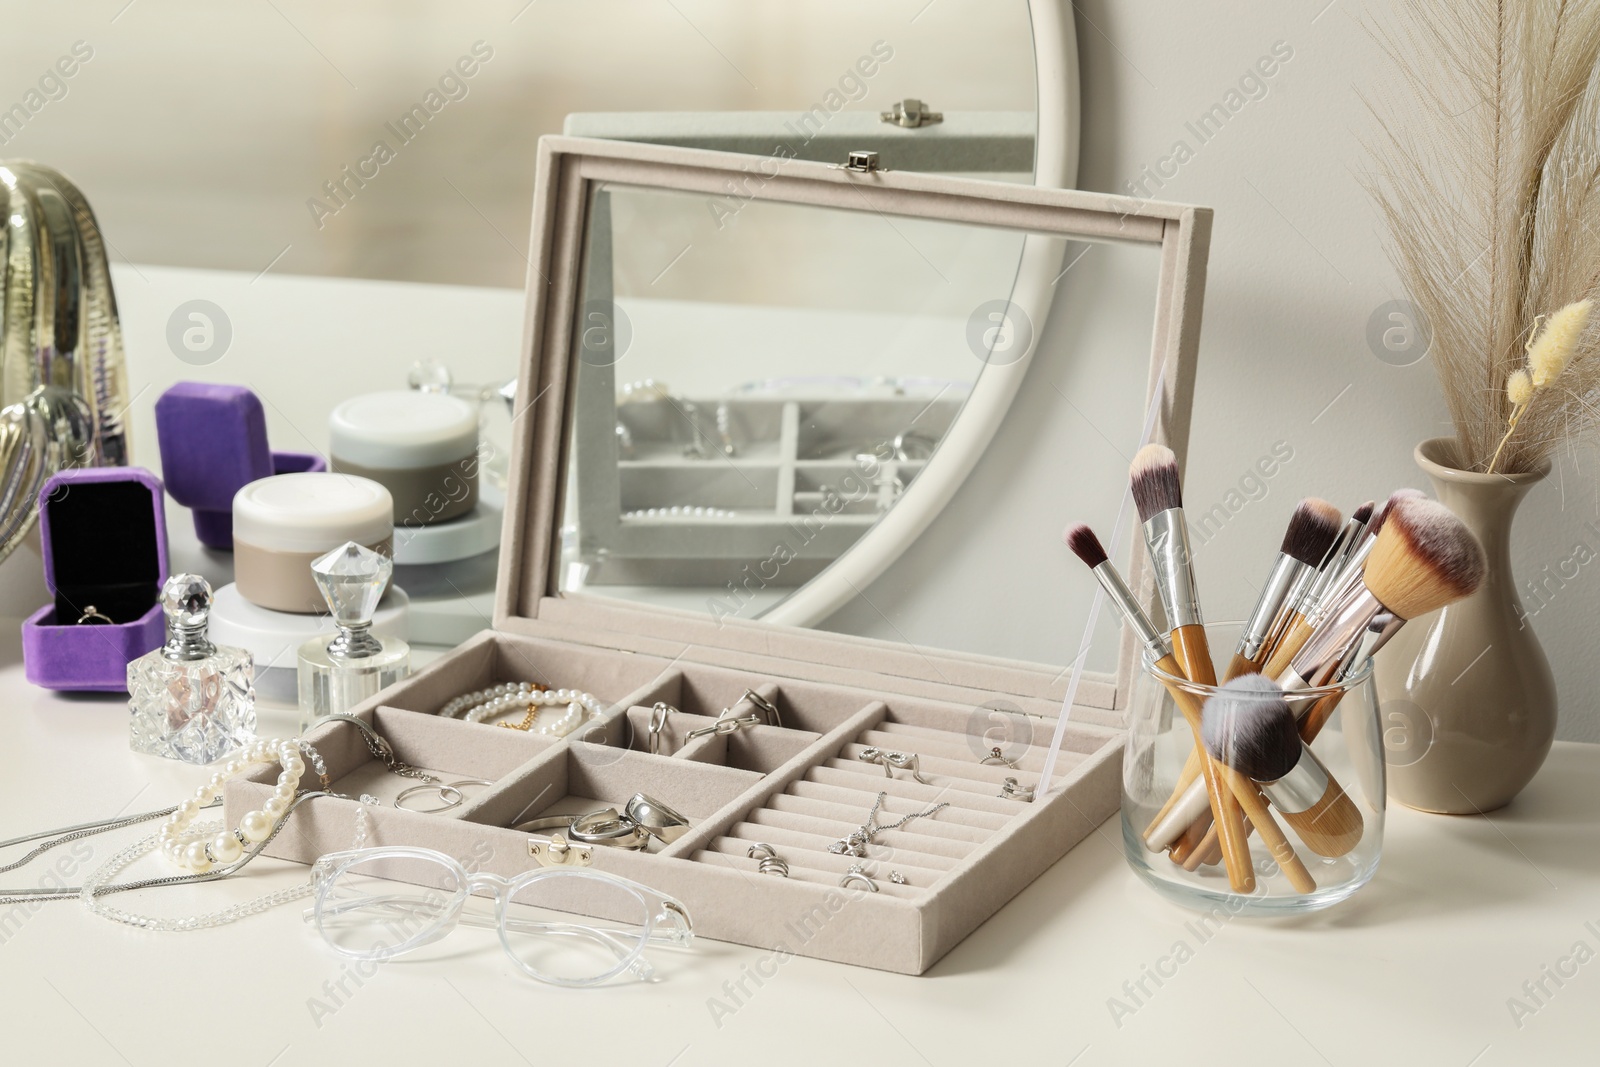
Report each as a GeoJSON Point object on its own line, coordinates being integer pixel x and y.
{"type": "Point", "coordinates": [856, 841]}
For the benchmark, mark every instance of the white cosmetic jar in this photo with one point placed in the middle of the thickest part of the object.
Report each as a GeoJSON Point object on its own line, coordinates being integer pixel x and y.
{"type": "Point", "coordinates": [282, 523]}
{"type": "Point", "coordinates": [422, 447]}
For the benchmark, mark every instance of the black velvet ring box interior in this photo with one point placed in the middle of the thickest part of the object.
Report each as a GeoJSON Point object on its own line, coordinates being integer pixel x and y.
{"type": "Point", "coordinates": [103, 537]}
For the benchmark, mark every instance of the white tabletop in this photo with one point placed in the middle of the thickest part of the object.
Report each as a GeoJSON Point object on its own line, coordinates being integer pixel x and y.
{"type": "Point", "coordinates": [1418, 968]}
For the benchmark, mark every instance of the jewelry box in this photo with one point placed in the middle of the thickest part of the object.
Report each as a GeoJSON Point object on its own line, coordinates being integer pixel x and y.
{"type": "Point", "coordinates": [103, 537]}
{"type": "Point", "coordinates": [855, 716]}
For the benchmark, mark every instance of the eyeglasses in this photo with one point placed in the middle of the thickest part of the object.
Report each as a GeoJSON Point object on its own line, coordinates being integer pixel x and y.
{"type": "Point", "coordinates": [379, 903]}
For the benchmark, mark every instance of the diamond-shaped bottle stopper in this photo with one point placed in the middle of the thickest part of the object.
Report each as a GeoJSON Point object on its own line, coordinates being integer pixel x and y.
{"type": "Point", "coordinates": [352, 578]}
{"type": "Point", "coordinates": [186, 603]}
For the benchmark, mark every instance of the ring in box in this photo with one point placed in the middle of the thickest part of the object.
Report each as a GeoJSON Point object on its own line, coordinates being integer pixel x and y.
{"type": "Point", "coordinates": [213, 442]}
{"type": "Point", "coordinates": [881, 755]}
{"type": "Point", "coordinates": [103, 533]}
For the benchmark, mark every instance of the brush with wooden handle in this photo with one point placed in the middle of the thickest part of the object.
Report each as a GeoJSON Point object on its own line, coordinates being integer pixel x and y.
{"type": "Point", "coordinates": [1086, 546]}
{"type": "Point", "coordinates": [1378, 633]}
{"type": "Point", "coordinates": [1422, 559]}
{"type": "Point", "coordinates": [1310, 535]}
{"type": "Point", "coordinates": [1313, 545]}
{"type": "Point", "coordinates": [1332, 582]}
{"type": "Point", "coordinates": [1158, 493]}
{"type": "Point", "coordinates": [1249, 726]}
{"type": "Point", "coordinates": [1307, 541]}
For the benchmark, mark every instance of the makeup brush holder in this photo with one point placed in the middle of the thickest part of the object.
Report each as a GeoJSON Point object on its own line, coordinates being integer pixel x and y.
{"type": "Point", "coordinates": [1346, 739]}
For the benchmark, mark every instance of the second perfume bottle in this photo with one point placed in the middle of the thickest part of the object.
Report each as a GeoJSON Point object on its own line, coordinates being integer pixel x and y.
{"type": "Point", "coordinates": [336, 675]}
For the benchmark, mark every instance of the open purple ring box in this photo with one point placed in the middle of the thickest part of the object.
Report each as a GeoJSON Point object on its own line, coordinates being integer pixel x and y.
{"type": "Point", "coordinates": [213, 442]}
{"type": "Point", "coordinates": [103, 533]}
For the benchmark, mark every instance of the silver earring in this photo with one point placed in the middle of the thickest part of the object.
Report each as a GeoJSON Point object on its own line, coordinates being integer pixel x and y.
{"type": "Point", "coordinates": [856, 874]}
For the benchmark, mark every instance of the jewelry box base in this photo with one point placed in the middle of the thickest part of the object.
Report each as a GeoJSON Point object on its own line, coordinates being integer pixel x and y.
{"type": "Point", "coordinates": [799, 787]}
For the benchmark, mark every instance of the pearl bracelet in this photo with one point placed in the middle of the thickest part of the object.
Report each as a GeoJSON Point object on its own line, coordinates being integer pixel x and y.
{"type": "Point", "coordinates": [504, 699]}
{"type": "Point", "coordinates": [199, 852]}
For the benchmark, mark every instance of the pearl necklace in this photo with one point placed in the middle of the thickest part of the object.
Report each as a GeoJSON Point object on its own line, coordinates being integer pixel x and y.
{"type": "Point", "coordinates": [201, 849]}
{"type": "Point", "coordinates": [508, 697]}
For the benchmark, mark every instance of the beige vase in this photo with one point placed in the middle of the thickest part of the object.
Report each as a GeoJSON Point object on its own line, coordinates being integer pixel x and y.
{"type": "Point", "coordinates": [1469, 703]}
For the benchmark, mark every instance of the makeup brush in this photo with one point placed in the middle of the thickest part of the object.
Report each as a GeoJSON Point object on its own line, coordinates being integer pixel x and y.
{"type": "Point", "coordinates": [1087, 547]}
{"type": "Point", "coordinates": [1349, 571]}
{"type": "Point", "coordinates": [1377, 634]}
{"type": "Point", "coordinates": [1422, 559]}
{"type": "Point", "coordinates": [1310, 540]}
{"type": "Point", "coordinates": [1158, 493]}
{"type": "Point", "coordinates": [1312, 531]}
{"type": "Point", "coordinates": [1333, 583]}
{"type": "Point", "coordinates": [1251, 728]}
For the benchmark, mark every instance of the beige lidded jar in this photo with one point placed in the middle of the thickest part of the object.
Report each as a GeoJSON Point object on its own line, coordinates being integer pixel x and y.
{"type": "Point", "coordinates": [282, 523]}
{"type": "Point", "coordinates": [422, 447]}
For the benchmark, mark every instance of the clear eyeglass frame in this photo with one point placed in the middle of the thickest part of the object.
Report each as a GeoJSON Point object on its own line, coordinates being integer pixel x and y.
{"type": "Point", "coordinates": [666, 922]}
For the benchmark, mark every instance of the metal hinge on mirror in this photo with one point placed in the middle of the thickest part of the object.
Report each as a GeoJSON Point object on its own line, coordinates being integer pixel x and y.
{"type": "Point", "coordinates": [911, 114]}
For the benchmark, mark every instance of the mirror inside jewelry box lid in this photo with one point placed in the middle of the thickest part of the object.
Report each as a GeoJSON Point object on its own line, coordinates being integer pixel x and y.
{"type": "Point", "coordinates": [830, 422]}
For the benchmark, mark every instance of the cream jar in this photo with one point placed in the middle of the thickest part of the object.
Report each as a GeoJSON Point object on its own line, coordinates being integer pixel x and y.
{"type": "Point", "coordinates": [422, 447]}
{"type": "Point", "coordinates": [282, 523]}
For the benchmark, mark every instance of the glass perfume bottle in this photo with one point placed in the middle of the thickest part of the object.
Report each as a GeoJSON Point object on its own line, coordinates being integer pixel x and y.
{"type": "Point", "coordinates": [337, 674]}
{"type": "Point", "coordinates": [191, 700]}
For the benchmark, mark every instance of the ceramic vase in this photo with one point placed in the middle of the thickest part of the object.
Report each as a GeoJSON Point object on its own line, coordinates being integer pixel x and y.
{"type": "Point", "coordinates": [1468, 699]}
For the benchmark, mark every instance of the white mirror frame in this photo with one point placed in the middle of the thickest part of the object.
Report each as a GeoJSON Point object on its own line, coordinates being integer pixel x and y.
{"type": "Point", "coordinates": [1055, 48]}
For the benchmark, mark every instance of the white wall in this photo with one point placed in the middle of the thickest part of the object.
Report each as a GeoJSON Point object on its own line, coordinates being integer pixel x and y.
{"type": "Point", "coordinates": [198, 129]}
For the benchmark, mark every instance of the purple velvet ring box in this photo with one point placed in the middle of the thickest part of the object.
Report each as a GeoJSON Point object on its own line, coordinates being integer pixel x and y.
{"type": "Point", "coordinates": [103, 532]}
{"type": "Point", "coordinates": [213, 442]}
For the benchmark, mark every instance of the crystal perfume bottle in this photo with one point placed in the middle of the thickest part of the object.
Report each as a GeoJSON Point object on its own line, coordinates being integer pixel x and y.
{"type": "Point", "coordinates": [338, 674]}
{"type": "Point", "coordinates": [191, 700]}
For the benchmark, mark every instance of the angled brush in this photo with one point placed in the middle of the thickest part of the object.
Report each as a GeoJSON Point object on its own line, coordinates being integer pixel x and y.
{"type": "Point", "coordinates": [1218, 795]}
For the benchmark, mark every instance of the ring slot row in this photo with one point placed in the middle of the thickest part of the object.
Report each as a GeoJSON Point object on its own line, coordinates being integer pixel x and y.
{"type": "Point", "coordinates": [877, 872]}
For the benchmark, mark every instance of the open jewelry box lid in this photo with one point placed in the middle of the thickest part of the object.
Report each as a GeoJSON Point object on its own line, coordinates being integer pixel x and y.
{"type": "Point", "coordinates": [529, 600]}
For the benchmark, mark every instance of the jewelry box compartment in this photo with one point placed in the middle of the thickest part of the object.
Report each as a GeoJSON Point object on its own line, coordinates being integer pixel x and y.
{"type": "Point", "coordinates": [617, 679]}
{"type": "Point", "coordinates": [445, 750]}
{"type": "Point", "coordinates": [580, 778]}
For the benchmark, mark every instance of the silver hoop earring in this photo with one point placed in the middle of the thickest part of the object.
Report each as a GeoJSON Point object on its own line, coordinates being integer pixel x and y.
{"type": "Point", "coordinates": [856, 874]}
{"type": "Point", "coordinates": [769, 863]}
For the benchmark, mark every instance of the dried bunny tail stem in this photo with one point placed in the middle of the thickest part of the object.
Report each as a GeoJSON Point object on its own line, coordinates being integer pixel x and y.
{"type": "Point", "coordinates": [1550, 352]}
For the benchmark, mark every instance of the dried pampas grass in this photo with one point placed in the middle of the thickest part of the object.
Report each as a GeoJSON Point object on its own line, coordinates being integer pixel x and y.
{"type": "Point", "coordinates": [1491, 204]}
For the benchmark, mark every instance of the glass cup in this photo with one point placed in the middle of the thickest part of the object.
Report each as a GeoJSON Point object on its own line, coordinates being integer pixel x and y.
{"type": "Point", "coordinates": [1339, 855]}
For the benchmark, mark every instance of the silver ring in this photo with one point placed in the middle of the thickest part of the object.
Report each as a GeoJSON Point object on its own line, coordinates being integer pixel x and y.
{"type": "Point", "coordinates": [444, 792]}
{"type": "Point", "coordinates": [655, 818]}
{"type": "Point", "coordinates": [658, 722]}
{"type": "Point", "coordinates": [891, 761]}
{"type": "Point", "coordinates": [604, 826]}
{"type": "Point", "coordinates": [855, 874]}
{"type": "Point", "coordinates": [547, 822]}
{"type": "Point", "coordinates": [769, 863]}
{"type": "Point", "coordinates": [1011, 790]}
{"type": "Point", "coordinates": [997, 756]}
{"type": "Point", "coordinates": [95, 617]}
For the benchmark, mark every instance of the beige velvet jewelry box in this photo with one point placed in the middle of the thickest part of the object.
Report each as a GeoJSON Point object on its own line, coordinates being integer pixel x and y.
{"type": "Point", "coordinates": [798, 787]}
